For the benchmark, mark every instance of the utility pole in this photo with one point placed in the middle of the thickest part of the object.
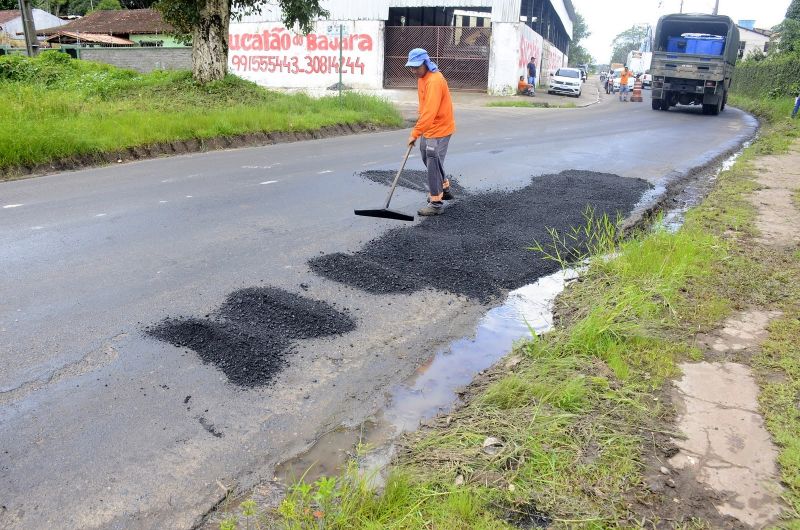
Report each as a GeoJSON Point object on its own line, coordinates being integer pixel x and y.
{"type": "Point", "coordinates": [31, 44]}
{"type": "Point", "coordinates": [716, 8]}
{"type": "Point", "coordinates": [681, 6]}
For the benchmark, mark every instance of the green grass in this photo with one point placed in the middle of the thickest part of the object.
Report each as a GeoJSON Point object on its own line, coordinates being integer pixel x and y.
{"type": "Point", "coordinates": [576, 414]}
{"type": "Point", "coordinates": [531, 104]}
{"type": "Point", "coordinates": [55, 108]}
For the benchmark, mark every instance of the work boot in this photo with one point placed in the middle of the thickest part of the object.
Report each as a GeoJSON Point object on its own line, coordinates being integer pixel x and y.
{"type": "Point", "coordinates": [447, 194]}
{"type": "Point", "coordinates": [434, 208]}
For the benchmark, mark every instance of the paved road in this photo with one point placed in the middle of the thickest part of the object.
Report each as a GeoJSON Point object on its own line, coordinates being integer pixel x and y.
{"type": "Point", "coordinates": [102, 427]}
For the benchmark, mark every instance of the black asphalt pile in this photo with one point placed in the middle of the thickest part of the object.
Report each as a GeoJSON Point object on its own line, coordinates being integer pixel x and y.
{"type": "Point", "coordinates": [479, 247]}
{"type": "Point", "coordinates": [411, 179]}
{"type": "Point", "coordinates": [252, 334]}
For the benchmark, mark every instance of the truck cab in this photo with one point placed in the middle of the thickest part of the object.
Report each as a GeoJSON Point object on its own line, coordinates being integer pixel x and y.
{"type": "Point", "coordinates": [693, 61]}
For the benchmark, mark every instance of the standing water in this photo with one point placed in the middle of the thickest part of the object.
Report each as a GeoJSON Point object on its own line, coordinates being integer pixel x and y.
{"type": "Point", "coordinates": [434, 388]}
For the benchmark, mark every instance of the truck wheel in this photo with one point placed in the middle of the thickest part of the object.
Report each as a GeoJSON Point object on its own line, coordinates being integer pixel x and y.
{"type": "Point", "coordinates": [714, 110]}
{"type": "Point", "coordinates": [724, 101]}
{"type": "Point", "coordinates": [665, 104]}
{"type": "Point", "coordinates": [656, 104]}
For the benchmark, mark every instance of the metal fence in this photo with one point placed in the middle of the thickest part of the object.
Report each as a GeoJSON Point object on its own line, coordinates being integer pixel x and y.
{"type": "Point", "coordinates": [462, 54]}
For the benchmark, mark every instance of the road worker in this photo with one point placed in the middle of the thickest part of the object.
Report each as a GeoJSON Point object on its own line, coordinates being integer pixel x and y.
{"type": "Point", "coordinates": [434, 127]}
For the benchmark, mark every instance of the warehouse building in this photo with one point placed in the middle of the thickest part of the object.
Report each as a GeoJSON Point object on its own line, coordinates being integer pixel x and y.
{"type": "Point", "coordinates": [480, 45]}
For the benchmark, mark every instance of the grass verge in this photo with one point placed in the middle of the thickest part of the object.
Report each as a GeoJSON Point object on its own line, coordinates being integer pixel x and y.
{"type": "Point", "coordinates": [557, 434]}
{"type": "Point", "coordinates": [531, 104]}
{"type": "Point", "coordinates": [55, 107]}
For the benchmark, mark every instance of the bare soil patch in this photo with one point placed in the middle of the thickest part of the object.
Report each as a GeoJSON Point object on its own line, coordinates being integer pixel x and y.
{"type": "Point", "coordinates": [779, 177]}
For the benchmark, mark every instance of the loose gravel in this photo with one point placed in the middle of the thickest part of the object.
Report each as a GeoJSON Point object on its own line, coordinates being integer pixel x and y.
{"type": "Point", "coordinates": [480, 246]}
{"type": "Point", "coordinates": [411, 179]}
{"type": "Point", "coordinates": [251, 336]}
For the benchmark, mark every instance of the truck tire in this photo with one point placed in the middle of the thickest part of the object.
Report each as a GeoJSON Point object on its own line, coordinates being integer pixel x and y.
{"type": "Point", "coordinates": [665, 104]}
{"type": "Point", "coordinates": [724, 101]}
{"type": "Point", "coordinates": [656, 104]}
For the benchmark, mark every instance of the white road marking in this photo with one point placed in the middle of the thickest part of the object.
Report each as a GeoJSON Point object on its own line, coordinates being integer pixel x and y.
{"type": "Point", "coordinates": [478, 143]}
{"type": "Point", "coordinates": [101, 215]}
{"type": "Point", "coordinates": [262, 167]}
{"type": "Point", "coordinates": [37, 227]}
{"type": "Point", "coordinates": [163, 202]}
{"type": "Point", "coordinates": [269, 182]}
{"type": "Point", "coordinates": [11, 206]}
{"type": "Point", "coordinates": [325, 171]}
{"type": "Point", "coordinates": [188, 196]}
{"type": "Point", "coordinates": [508, 138]}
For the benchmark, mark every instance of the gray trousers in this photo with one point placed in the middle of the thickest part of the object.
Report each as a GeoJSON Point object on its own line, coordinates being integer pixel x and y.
{"type": "Point", "coordinates": [433, 152]}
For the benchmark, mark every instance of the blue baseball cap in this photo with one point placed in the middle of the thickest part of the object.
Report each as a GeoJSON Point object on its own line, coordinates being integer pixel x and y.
{"type": "Point", "coordinates": [417, 56]}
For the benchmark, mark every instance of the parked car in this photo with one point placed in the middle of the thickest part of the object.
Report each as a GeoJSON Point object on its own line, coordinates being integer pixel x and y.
{"type": "Point", "coordinates": [565, 81]}
{"type": "Point", "coordinates": [647, 81]}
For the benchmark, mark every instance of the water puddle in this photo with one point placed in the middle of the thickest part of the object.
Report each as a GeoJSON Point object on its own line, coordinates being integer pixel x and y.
{"type": "Point", "coordinates": [434, 389]}
{"type": "Point", "coordinates": [694, 193]}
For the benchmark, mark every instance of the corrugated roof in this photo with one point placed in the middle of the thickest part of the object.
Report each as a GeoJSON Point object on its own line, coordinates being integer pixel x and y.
{"type": "Point", "coordinates": [9, 14]}
{"type": "Point", "coordinates": [118, 21]}
{"type": "Point", "coordinates": [90, 37]}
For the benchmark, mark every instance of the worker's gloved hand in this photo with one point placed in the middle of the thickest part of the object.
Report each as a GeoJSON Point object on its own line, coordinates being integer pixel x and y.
{"type": "Point", "coordinates": [411, 141]}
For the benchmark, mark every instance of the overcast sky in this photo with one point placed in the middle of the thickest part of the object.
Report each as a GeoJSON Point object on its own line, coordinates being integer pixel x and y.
{"type": "Point", "coordinates": [607, 18]}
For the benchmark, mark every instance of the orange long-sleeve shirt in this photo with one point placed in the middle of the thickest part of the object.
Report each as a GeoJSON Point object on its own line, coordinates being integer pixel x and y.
{"type": "Point", "coordinates": [435, 107]}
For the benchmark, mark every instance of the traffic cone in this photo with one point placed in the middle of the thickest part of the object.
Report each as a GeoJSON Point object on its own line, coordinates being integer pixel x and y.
{"type": "Point", "coordinates": [637, 91]}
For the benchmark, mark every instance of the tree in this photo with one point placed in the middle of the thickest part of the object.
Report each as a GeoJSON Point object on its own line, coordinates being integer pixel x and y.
{"type": "Point", "coordinates": [793, 12]}
{"type": "Point", "coordinates": [633, 38]}
{"type": "Point", "coordinates": [577, 53]}
{"type": "Point", "coordinates": [786, 38]}
{"type": "Point", "coordinates": [205, 24]}
{"type": "Point", "coordinates": [8, 4]}
{"type": "Point", "coordinates": [107, 5]}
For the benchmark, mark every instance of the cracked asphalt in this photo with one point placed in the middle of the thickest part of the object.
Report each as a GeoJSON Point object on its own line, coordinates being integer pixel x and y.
{"type": "Point", "coordinates": [102, 426]}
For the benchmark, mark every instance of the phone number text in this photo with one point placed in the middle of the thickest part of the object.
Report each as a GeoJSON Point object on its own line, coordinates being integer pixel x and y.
{"type": "Point", "coordinates": [310, 64]}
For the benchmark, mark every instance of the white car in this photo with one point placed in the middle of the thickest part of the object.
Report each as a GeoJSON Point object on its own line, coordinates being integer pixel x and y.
{"type": "Point", "coordinates": [566, 81]}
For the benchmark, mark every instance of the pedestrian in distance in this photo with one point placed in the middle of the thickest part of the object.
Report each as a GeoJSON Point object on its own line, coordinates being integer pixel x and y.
{"type": "Point", "coordinates": [532, 74]}
{"type": "Point", "coordinates": [796, 106]}
{"type": "Point", "coordinates": [434, 127]}
{"type": "Point", "coordinates": [624, 90]}
{"type": "Point", "coordinates": [524, 88]}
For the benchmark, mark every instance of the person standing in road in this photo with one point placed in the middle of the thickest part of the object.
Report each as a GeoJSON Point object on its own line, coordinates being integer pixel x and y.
{"type": "Point", "coordinates": [532, 75]}
{"type": "Point", "coordinates": [434, 127]}
{"type": "Point", "coordinates": [796, 106]}
{"type": "Point", "coordinates": [624, 77]}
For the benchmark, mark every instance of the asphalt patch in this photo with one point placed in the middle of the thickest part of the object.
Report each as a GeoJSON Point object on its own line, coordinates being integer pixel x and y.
{"type": "Point", "coordinates": [253, 332]}
{"type": "Point", "coordinates": [480, 246]}
{"type": "Point", "coordinates": [411, 179]}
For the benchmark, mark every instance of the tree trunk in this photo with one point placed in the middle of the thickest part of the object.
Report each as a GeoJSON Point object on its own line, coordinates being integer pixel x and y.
{"type": "Point", "coordinates": [210, 41]}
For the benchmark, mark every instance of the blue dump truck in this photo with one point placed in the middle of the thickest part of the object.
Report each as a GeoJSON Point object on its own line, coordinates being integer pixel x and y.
{"type": "Point", "coordinates": [693, 60]}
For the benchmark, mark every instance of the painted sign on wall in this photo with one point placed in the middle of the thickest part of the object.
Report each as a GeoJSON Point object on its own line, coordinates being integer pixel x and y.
{"type": "Point", "coordinates": [530, 45]}
{"type": "Point", "coordinates": [271, 55]}
{"type": "Point", "coordinates": [552, 60]}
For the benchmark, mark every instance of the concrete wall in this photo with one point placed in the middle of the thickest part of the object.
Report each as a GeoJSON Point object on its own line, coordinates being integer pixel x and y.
{"type": "Point", "coordinates": [141, 59]}
{"type": "Point", "coordinates": [513, 44]}
{"type": "Point", "coordinates": [270, 55]}
{"type": "Point", "coordinates": [752, 40]}
{"type": "Point", "coordinates": [552, 60]}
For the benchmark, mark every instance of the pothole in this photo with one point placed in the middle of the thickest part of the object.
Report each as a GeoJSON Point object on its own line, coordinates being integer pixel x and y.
{"type": "Point", "coordinates": [250, 336]}
{"type": "Point", "coordinates": [481, 246]}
